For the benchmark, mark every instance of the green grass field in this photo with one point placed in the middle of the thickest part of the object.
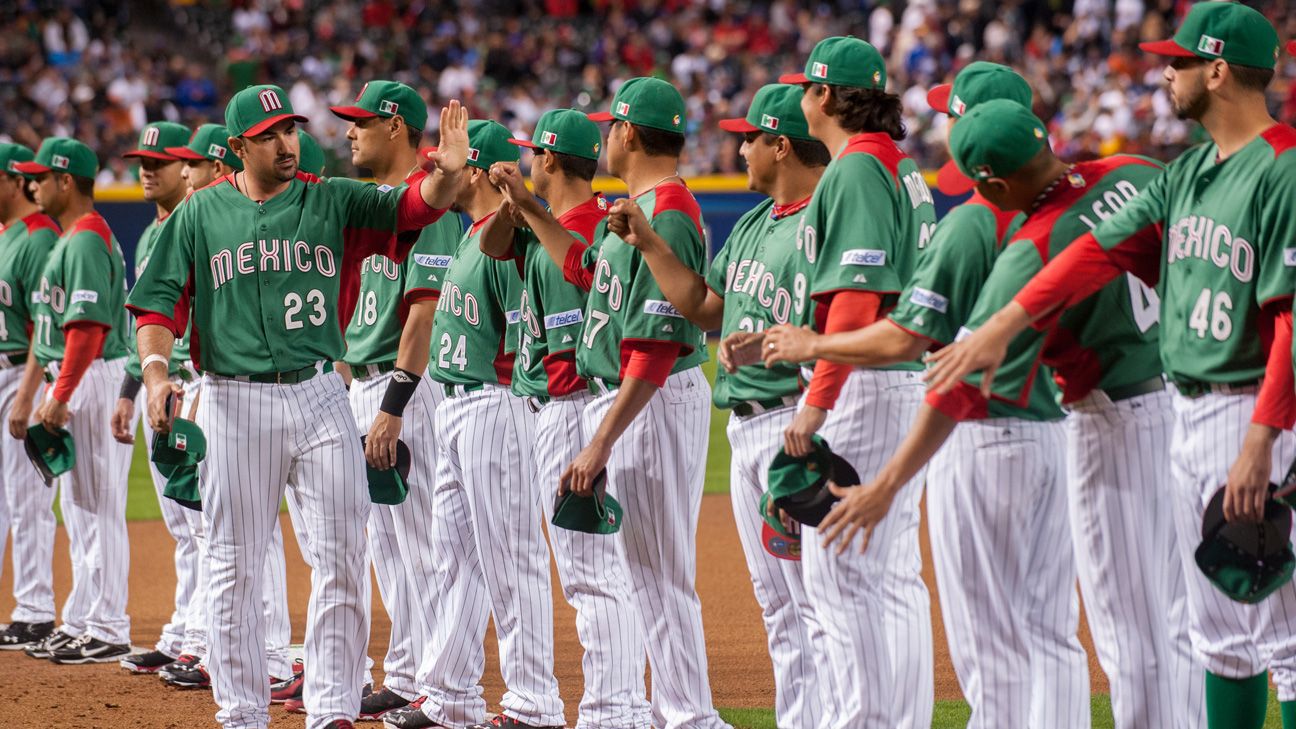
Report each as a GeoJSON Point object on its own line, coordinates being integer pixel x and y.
{"type": "Point", "coordinates": [142, 504]}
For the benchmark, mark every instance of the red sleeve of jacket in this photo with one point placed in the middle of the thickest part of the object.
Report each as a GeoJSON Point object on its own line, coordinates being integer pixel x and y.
{"type": "Point", "coordinates": [1276, 404]}
{"type": "Point", "coordinates": [574, 270]}
{"type": "Point", "coordinates": [1077, 273]}
{"type": "Point", "coordinates": [84, 342]}
{"type": "Point", "coordinates": [649, 360]}
{"type": "Point", "coordinates": [847, 311]}
{"type": "Point", "coordinates": [413, 212]}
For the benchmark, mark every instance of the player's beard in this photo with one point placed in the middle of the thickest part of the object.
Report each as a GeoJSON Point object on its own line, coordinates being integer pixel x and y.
{"type": "Point", "coordinates": [1192, 106]}
{"type": "Point", "coordinates": [284, 172]}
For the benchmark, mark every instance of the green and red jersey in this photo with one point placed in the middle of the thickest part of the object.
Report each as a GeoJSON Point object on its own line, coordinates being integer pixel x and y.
{"type": "Point", "coordinates": [143, 251]}
{"type": "Point", "coordinates": [84, 280]}
{"type": "Point", "coordinates": [552, 311]}
{"type": "Point", "coordinates": [273, 284]}
{"type": "Point", "coordinates": [758, 275]}
{"type": "Point", "coordinates": [24, 247]}
{"type": "Point", "coordinates": [625, 303]}
{"type": "Point", "coordinates": [470, 331]}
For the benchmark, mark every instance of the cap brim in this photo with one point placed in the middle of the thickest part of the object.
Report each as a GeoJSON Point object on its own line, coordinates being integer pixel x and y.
{"type": "Point", "coordinates": [150, 154]}
{"type": "Point", "coordinates": [184, 153]}
{"type": "Point", "coordinates": [951, 180]}
{"type": "Point", "coordinates": [794, 78]}
{"type": "Point", "coordinates": [740, 126]}
{"type": "Point", "coordinates": [32, 168]}
{"type": "Point", "coordinates": [601, 116]}
{"type": "Point", "coordinates": [352, 112]}
{"type": "Point", "coordinates": [265, 124]}
{"type": "Point", "coordinates": [1166, 48]}
{"type": "Point", "coordinates": [939, 96]}
{"type": "Point", "coordinates": [525, 143]}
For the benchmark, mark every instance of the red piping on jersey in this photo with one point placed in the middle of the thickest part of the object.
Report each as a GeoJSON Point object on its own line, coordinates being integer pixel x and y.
{"type": "Point", "coordinates": [932, 344]}
{"type": "Point", "coordinates": [413, 296]}
{"type": "Point", "coordinates": [584, 219]}
{"type": "Point", "coordinates": [1003, 218]}
{"type": "Point", "coordinates": [83, 344]}
{"type": "Point", "coordinates": [650, 360]}
{"type": "Point", "coordinates": [560, 373]}
{"type": "Point", "coordinates": [778, 212]}
{"type": "Point", "coordinates": [677, 196]}
{"type": "Point", "coordinates": [40, 221]}
{"type": "Point", "coordinates": [503, 363]}
{"type": "Point", "coordinates": [1281, 137]}
{"type": "Point", "coordinates": [881, 147]}
{"type": "Point", "coordinates": [847, 311]}
{"type": "Point", "coordinates": [575, 272]}
{"type": "Point", "coordinates": [1276, 403]}
{"type": "Point", "coordinates": [964, 402]}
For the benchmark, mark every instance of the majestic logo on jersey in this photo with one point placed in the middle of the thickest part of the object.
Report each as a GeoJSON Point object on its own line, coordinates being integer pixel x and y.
{"type": "Point", "coordinates": [623, 108]}
{"type": "Point", "coordinates": [215, 150]}
{"type": "Point", "coordinates": [549, 138]}
{"type": "Point", "coordinates": [564, 319]}
{"type": "Point", "coordinates": [271, 255]}
{"type": "Point", "coordinates": [656, 307]}
{"type": "Point", "coordinates": [769, 122]}
{"type": "Point", "coordinates": [428, 260]}
{"type": "Point", "coordinates": [270, 100]}
{"type": "Point", "coordinates": [387, 107]}
{"type": "Point", "coordinates": [59, 161]}
{"type": "Point", "coordinates": [150, 137]}
{"type": "Point", "coordinates": [819, 70]}
{"type": "Point", "coordinates": [863, 257]}
{"type": "Point", "coordinates": [473, 154]}
{"type": "Point", "coordinates": [1213, 46]}
{"type": "Point", "coordinates": [1203, 238]}
{"type": "Point", "coordinates": [929, 299]}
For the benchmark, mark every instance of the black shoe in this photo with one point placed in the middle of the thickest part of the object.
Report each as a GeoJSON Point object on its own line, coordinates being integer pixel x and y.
{"type": "Point", "coordinates": [410, 716]}
{"type": "Point", "coordinates": [374, 705]}
{"type": "Point", "coordinates": [287, 689]}
{"type": "Point", "coordinates": [20, 636]}
{"type": "Point", "coordinates": [89, 650]}
{"type": "Point", "coordinates": [186, 672]}
{"type": "Point", "coordinates": [55, 640]}
{"type": "Point", "coordinates": [507, 722]}
{"type": "Point", "coordinates": [149, 662]}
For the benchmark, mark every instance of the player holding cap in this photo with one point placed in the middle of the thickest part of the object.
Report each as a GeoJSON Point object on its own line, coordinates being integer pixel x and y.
{"type": "Point", "coordinates": [565, 149]}
{"type": "Point", "coordinates": [387, 355]}
{"type": "Point", "coordinates": [1221, 217]}
{"type": "Point", "coordinates": [80, 337]}
{"type": "Point", "coordinates": [26, 239]}
{"type": "Point", "coordinates": [269, 262]}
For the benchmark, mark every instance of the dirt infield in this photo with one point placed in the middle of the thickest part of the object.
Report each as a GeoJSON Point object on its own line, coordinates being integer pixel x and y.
{"type": "Point", "coordinates": [40, 694]}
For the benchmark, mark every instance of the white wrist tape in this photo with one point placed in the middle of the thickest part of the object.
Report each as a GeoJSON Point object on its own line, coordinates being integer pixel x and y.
{"type": "Point", "coordinates": [166, 362]}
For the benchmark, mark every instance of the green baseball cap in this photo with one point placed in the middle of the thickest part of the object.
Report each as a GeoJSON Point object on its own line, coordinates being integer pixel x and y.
{"type": "Point", "coordinates": [798, 484]}
{"type": "Point", "coordinates": [386, 99]}
{"type": "Point", "coordinates": [176, 456]}
{"type": "Point", "coordinates": [565, 131]}
{"type": "Point", "coordinates": [1246, 561]}
{"type": "Point", "coordinates": [154, 138]}
{"type": "Point", "coordinates": [647, 102]}
{"type": "Point", "coordinates": [11, 154]}
{"type": "Point", "coordinates": [210, 142]}
{"type": "Point", "coordinates": [842, 60]}
{"type": "Point", "coordinates": [979, 81]}
{"type": "Point", "coordinates": [53, 454]}
{"type": "Point", "coordinates": [257, 108]}
{"type": "Point", "coordinates": [490, 142]}
{"type": "Point", "coordinates": [1228, 30]}
{"type": "Point", "coordinates": [597, 514]}
{"type": "Point", "coordinates": [389, 486]}
{"type": "Point", "coordinates": [61, 154]}
{"type": "Point", "coordinates": [310, 157]}
{"type": "Point", "coordinates": [996, 139]}
{"type": "Point", "coordinates": [776, 109]}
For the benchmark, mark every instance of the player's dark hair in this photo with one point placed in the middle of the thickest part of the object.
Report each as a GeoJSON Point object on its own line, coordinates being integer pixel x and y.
{"type": "Point", "coordinates": [579, 168]}
{"type": "Point", "coordinates": [414, 136]}
{"type": "Point", "coordinates": [84, 185]}
{"type": "Point", "coordinates": [658, 142]}
{"type": "Point", "coordinates": [809, 152]}
{"type": "Point", "coordinates": [867, 110]}
{"type": "Point", "coordinates": [1252, 78]}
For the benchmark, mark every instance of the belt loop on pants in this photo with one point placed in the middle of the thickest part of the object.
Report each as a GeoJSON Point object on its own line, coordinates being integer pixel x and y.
{"type": "Point", "coordinates": [369, 371]}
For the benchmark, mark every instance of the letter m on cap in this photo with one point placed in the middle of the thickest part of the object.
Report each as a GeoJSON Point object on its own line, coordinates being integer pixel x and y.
{"type": "Point", "coordinates": [150, 137]}
{"type": "Point", "coordinates": [1213, 46]}
{"type": "Point", "coordinates": [270, 100]}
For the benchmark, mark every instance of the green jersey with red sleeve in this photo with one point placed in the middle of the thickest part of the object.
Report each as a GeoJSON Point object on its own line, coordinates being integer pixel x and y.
{"type": "Point", "coordinates": [180, 351]}
{"type": "Point", "coordinates": [84, 281]}
{"type": "Point", "coordinates": [24, 247]}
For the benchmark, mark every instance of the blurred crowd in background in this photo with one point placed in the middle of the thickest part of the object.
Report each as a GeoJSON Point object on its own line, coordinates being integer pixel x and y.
{"type": "Point", "coordinates": [98, 70]}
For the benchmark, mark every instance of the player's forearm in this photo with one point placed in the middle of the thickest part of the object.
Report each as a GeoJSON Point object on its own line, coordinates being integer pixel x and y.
{"type": "Point", "coordinates": [877, 345]}
{"type": "Point", "coordinates": [632, 397]}
{"type": "Point", "coordinates": [344, 369]}
{"type": "Point", "coordinates": [154, 340]}
{"type": "Point", "coordinates": [556, 240]}
{"type": "Point", "coordinates": [683, 287]}
{"type": "Point", "coordinates": [929, 432]}
{"type": "Point", "coordinates": [31, 377]}
{"type": "Point", "coordinates": [416, 337]}
{"type": "Point", "coordinates": [440, 188]}
{"type": "Point", "coordinates": [496, 239]}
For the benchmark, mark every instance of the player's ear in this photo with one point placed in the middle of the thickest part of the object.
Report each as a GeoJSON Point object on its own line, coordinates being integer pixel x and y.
{"type": "Point", "coordinates": [827, 99]}
{"type": "Point", "coordinates": [782, 148]}
{"type": "Point", "coordinates": [236, 146]}
{"type": "Point", "coordinates": [395, 127]}
{"type": "Point", "coordinates": [629, 136]}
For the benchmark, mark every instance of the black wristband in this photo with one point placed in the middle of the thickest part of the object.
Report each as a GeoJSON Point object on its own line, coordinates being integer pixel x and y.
{"type": "Point", "coordinates": [130, 387]}
{"type": "Point", "coordinates": [400, 388]}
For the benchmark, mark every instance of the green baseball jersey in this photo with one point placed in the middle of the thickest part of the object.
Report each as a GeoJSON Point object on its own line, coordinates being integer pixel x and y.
{"type": "Point", "coordinates": [388, 288]}
{"type": "Point", "coordinates": [869, 219]}
{"type": "Point", "coordinates": [943, 292]}
{"type": "Point", "coordinates": [625, 302]}
{"type": "Point", "coordinates": [180, 350]}
{"type": "Point", "coordinates": [470, 328]}
{"type": "Point", "coordinates": [552, 311]}
{"type": "Point", "coordinates": [84, 280]}
{"type": "Point", "coordinates": [1108, 340]}
{"type": "Point", "coordinates": [757, 274]}
{"type": "Point", "coordinates": [273, 283]}
{"type": "Point", "coordinates": [24, 247]}
{"type": "Point", "coordinates": [1227, 247]}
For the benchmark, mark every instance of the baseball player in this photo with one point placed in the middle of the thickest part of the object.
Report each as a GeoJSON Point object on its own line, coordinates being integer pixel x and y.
{"type": "Point", "coordinates": [485, 438]}
{"type": "Point", "coordinates": [754, 282]}
{"type": "Point", "coordinates": [859, 241]}
{"type": "Point", "coordinates": [26, 239]}
{"type": "Point", "coordinates": [648, 422]}
{"type": "Point", "coordinates": [1214, 226]}
{"type": "Point", "coordinates": [387, 353]}
{"type": "Point", "coordinates": [269, 264]}
{"type": "Point", "coordinates": [80, 337]}
{"type": "Point", "coordinates": [565, 147]}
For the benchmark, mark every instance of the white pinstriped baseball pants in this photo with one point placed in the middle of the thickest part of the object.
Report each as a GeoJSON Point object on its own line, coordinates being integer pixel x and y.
{"type": "Point", "coordinates": [874, 608]}
{"type": "Point", "coordinates": [1002, 548]}
{"type": "Point", "coordinates": [261, 438]}
{"type": "Point", "coordinates": [778, 583]}
{"type": "Point", "coordinates": [26, 512]}
{"type": "Point", "coordinates": [595, 583]}
{"type": "Point", "coordinates": [1127, 558]}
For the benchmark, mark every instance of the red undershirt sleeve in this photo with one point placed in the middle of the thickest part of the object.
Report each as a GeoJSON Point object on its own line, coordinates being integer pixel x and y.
{"type": "Point", "coordinates": [574, 270]}
{"type": "Point", "coordinates": [964, 402]}
{"type": "Point", "coordinates": [84, 344]}
{"type": "Point", "coordinates": [847, 311]}
{"type": "Point", "coordinates": [1078, 272]}
{"type": "Point", "coordinates": [413, 212]}
{"type": "Point", "coordinates": [648, 360]}
{"type": "Point", "coordinates": [1276, 404]}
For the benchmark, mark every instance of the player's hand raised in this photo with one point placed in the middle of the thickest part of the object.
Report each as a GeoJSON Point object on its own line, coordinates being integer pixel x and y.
{"type": "Point", "coordinates": [740, 349]}
{"type": "Point", "coordinates": [451, 154]}
{"type": "Point", "coordinates": [507, 178]}
{"type": "Point", "coordinates": [165, 399]}
{"type": "Point", "coordinates": [627, 220]}
{"type": "Point", "coordinates": [859, 511]}
{"type": "Point", "coordinates": [786, 343]}
{"type": "Point", "coordinates": [122, 418]}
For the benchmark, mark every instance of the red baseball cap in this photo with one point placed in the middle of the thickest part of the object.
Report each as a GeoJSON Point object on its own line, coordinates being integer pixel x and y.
{"type": "Point", "coordinates": [938, 97]}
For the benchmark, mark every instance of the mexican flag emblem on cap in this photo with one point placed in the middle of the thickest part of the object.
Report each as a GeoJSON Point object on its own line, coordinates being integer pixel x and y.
{"type": "Point", "coordinates": [59, 161]}
{"type": "Point", "coordinates": [770, 122]}
{"type": "Point", "coordinates": [623, 108]}
{"type": "Point", "coordinates": [819, 70]}
{"type": "Point", "coordinates": [216, 151]}
{"type": "Point", "coordinates": [1213, 46]}
{"type": "Point", "coordinates": [549, 138]}
{"type": "Point", "coordinates": [388, 107]}
{"type": "Point", "coordinates": [473, 154]}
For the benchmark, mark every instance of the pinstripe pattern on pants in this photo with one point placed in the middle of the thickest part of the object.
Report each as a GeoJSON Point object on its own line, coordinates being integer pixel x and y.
{"type": "Point", "coordinates": [261, 438]}
{"type": "Point", "coordinates": [1002, 548]}
{"type": "Point", "coordinates": [873, 608]}
{"type": "Point", "coordinates": [1231, 639]}
{"type": "Point", "coordinates": [1131, 576]}
{"type": "Point", "coordinates": [785, 610]}
{"type": "Point", "coordinates": [594, 582]}
{"type": "Point", "coordinates": [656, 471]}
{"type": "Point", "coordinates": [93, 500]}
{"type": "Point", "coordinates": [485, 441]}
{"type": "Point", "coordinates": [26, 514]}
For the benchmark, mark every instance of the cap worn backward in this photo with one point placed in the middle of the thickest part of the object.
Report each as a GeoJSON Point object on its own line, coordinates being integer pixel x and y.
{"type": "Point", "coordinates": [11, 155]}
{"type": "Point", "coordinates": [565, 131]}
{"type": "Point", "coordinates": [842, 60]}
{"type": "Point", "coordinates": [979, 81]}
{"type": "Point", "coordinates": [311, 155]}
{"type": "Point", "coordinates": [996, 139]}
{"type": "Point", "coordinates": [154, 139]}
{"type": "Point", "coordinates": [61, 154]}
{"type": "Point", "coordinates": [1226, 30]}
{"type": "Point", "coordinates": [647, 102]}
{"type": "Point", "coordinates": [488, 143]}
{"type": "Point", "coordinates": [257, 108]}
{"type": "Point", "coordinates": [776, 109]}
{"type": "Point", "coordinates": [386, 99]}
